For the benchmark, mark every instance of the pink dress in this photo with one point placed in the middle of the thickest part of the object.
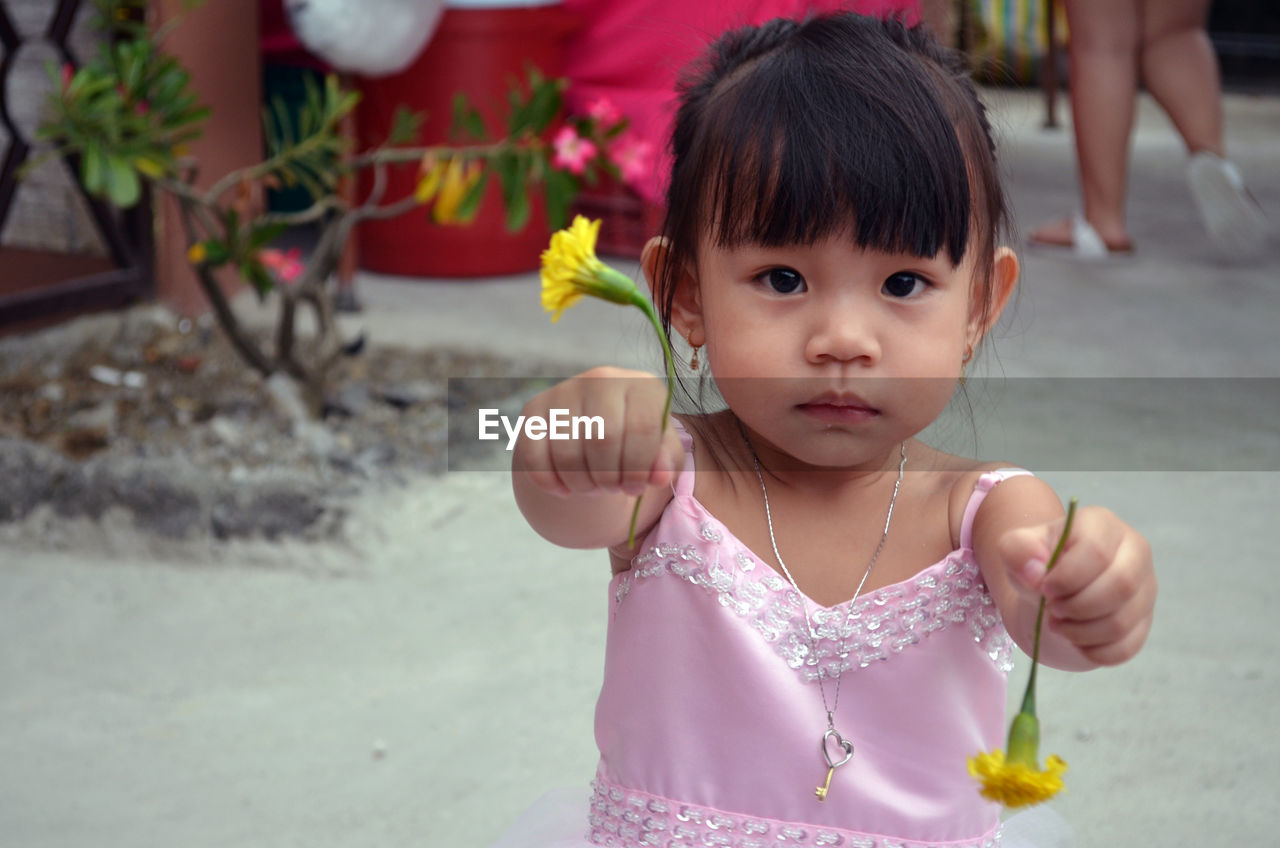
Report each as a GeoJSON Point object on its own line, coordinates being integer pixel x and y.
{"type": "Point", "coordinates": [710, 717]}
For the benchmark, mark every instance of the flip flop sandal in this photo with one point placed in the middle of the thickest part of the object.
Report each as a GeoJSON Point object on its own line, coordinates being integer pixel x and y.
{"type": "Point", "coordinates": [1085, 243]}
{"type": "Point", "coordinates": [1233, 218]}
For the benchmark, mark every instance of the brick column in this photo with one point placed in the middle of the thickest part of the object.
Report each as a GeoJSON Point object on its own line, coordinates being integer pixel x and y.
{"type": "Point", "coordinates": [218, 44]}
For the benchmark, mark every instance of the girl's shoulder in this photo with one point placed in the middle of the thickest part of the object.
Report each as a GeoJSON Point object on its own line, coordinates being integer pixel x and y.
{"type": "Point", "coordinates": [715, 439]}
{"type": "Point", "coordinates": [957, 479]}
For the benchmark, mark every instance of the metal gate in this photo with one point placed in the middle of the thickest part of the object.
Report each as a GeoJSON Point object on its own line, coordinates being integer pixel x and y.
{"type": "Point", "coordinates": [38, 286]}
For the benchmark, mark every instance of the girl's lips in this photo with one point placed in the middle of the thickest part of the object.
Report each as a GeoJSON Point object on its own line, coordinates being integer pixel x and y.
{"type": "Point", "coordinates": [838, 412]}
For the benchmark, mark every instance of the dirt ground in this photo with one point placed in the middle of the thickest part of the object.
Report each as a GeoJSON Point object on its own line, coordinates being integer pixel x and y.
{"type": "Point", "coordinates": [146, 384]}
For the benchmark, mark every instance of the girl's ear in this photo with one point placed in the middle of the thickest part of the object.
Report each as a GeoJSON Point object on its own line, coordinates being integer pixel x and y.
{"type": "Point", "coordinates": [686, 306]}
{"type": "Point", "coordinates": [1004, 279]}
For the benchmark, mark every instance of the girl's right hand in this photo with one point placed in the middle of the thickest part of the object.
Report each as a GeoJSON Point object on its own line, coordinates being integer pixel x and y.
{"type": "Point", "coordinates": [599, 476]}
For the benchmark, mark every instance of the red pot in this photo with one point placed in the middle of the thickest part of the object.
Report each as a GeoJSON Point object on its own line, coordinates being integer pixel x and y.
{"type": "Point", "coordinates": [477, 52]}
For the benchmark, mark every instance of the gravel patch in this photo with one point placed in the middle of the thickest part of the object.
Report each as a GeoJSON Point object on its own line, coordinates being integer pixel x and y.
{"type": "Point", "coordinates": [143, 413]}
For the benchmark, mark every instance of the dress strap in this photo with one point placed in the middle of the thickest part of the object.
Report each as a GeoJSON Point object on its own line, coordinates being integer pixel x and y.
{"type": "Point", "coordinates": [985, 484]}
{"type": "Point", "coordinates": [683, 483]}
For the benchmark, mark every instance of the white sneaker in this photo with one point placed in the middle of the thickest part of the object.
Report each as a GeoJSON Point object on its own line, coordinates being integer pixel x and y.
{"type": "Point", "coordinates": [1233, 218]}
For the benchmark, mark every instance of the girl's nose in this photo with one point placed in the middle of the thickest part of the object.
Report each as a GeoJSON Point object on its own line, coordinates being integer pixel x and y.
{"type": "Point", "coordinates": [843, 333]}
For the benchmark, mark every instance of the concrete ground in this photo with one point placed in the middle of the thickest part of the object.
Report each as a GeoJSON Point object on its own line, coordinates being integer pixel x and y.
{"type": "Point", "coordinates": [425, 682]}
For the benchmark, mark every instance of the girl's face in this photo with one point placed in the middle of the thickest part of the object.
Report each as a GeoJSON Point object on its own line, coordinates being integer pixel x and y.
{"type": "Point", "coordinates": [830, 354]}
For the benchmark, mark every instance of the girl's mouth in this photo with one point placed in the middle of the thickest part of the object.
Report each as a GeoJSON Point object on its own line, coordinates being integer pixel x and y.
{"type": "Point", "coordinates": [833, 409]}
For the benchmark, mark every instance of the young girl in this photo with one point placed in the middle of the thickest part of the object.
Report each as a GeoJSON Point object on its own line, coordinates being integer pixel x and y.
{"type": "Point", "coordinates": [811, 634]}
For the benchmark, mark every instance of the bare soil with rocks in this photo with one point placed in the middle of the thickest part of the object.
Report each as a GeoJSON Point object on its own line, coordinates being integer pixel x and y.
{"type": "Point", "coordinates": [142, 411]}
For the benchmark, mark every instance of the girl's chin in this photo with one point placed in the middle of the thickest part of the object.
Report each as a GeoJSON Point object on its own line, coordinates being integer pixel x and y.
{"type": "Point", "coordinates": [830, 449]}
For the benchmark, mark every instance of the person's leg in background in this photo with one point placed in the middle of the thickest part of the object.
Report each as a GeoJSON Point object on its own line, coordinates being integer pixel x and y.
{"type": "Point", "coordinates": [1180, 70]}
{"type": "Point", "coordinates": [1103, 55]}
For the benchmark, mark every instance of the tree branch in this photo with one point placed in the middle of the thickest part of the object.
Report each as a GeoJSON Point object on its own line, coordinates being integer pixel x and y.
{"type": "Point", "coordinates": [377, 213]}
{"type": "Point", "coordinates": [314, 212]}
{"type": "Point", "coordinates": [254, 173]}
{"type": "Point", "coordinates": [285, 326]}
{"type": "Point", "coordinates": [226, 317]}
{"type": "Point", "coordinates": [328, 345]}
{"type": "Point", "coordinates": [379, 187]}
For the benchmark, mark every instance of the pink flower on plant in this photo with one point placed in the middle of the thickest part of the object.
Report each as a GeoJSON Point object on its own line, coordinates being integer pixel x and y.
{"type": "Point", "coordinates": [604, 112]}
{"type": "Point", "coordinates": [286, 267]}
{"type": "Point", "coordinates": [142, 108]}
{"type": "Point", "coordinates": [68, 74]}
{"type": "Point", "coordinates": [633, 156]}
{"type": "Point", "coordinates": [572, 150]}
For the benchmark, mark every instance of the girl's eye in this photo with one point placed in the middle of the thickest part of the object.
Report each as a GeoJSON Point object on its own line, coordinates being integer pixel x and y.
{"type": "Point", "coordinates": [904, 284]}
{"type": "Point", "coordinates": [782, 280]}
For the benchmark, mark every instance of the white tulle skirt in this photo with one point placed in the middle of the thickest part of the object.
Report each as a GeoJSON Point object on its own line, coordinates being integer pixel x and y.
{"type": "Point", "coordinates": [559, 820]}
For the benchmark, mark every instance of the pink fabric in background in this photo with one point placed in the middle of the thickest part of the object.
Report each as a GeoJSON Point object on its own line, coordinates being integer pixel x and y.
{"type": "Point", "coordinates": [632, 52]}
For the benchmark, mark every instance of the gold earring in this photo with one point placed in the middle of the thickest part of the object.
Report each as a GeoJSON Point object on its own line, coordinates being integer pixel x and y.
{"type": "Point", "coordinates": [968, 354]}
{"type": "Point", "coordinates": [693, 360]}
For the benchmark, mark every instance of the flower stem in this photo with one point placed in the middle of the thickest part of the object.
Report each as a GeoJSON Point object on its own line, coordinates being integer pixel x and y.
{"type": "Point", "coordinates": [1029, 699]}
{"type": "Point", "coordinates": [647, 307]}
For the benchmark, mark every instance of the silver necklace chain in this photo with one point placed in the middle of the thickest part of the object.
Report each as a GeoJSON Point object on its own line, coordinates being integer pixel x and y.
{"type": "Point", "coordinates": [813, 636]}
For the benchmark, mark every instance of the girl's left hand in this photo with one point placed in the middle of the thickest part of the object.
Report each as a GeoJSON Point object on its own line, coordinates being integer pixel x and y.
{"type": "Point", "coordinates": [1100, 596]}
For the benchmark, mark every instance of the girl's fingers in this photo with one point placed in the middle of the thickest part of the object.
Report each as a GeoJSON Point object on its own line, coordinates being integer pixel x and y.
{"type": "Point", "coordinates": [1115, 584]}
{"type": "Point", "coordinates": [665, 462]}
{"type": "Point", "coordinates": [647, 434]}
{"type": "Point", "coordinates": [603, 456]}
{"type": "Point", "coordinates": [1106, 629]}
{"type": "Point", "coordinates": [1122, 650]}
{"type": "Point", "coordinates": [1028, 550]}
{"type": "Point", "coordinates": [537, 467]}
{"type": "Point", "coordinates": [645, 444]}
{"type": "Point", "coordinates": [671, 459]}
{"type": "Point", "coordinates": [640, 454]}
{"type": "Point", "coordinates": [1095, 540]}
{"type": "Point", "coordinates": [1100, 594]}
{"type": "Point", "coordinates": [632, 452]}
{"type": "Point", "coordinates": [1109, 618]}
{"type": "Point", "coordinates": [533, 460]}
{"type": "Point", "coordinates": [622, 457]}
{"type": "Point", "coordinates": [570, 464]}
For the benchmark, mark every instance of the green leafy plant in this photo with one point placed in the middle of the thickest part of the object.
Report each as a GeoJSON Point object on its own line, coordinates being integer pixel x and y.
{"type": "Point", "coordinates": [129, 114]}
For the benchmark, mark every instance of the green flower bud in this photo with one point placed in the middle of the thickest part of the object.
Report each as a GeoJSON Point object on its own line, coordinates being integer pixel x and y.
{"type": "Point", "coordinates": [1024, 740]}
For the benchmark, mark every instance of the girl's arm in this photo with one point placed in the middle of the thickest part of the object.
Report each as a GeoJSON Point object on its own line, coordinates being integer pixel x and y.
{"type": "Point", "coordinates": [1099, 597]}
{"type": "Point", "coordinates": [580, 493]}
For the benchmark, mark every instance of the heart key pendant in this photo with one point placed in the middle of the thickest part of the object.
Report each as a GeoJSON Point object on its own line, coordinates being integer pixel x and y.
{"type": "Point", "coordinates": [832, 764]}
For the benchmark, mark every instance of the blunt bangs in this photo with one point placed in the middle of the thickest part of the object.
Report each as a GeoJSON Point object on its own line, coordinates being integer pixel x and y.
{"type": "Point", "coordinates": [828, 128]}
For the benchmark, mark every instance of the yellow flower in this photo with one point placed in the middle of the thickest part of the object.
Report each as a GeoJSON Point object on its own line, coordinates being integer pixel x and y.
{"type": "Point", "coordinates": [571, 269]}
{"type": "Point", "coordinates": [197, 253]}
{"type": "Point", "coordinates": [457, 179]}
{"type": "Point", "coordinates": [1016, 784]}
{"type": "Point", "coordinates": [432, 174]}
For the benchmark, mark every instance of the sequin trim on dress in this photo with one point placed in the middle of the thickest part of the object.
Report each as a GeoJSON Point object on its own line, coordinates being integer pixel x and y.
{"type": "Point", "coordinates": [882, 623]}
{"type": "Point", "coordinates": [627, 818]}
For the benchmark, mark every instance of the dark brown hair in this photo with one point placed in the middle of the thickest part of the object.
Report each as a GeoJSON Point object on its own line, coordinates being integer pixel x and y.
{"type": "Point", "coordinates": [789, 132]}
